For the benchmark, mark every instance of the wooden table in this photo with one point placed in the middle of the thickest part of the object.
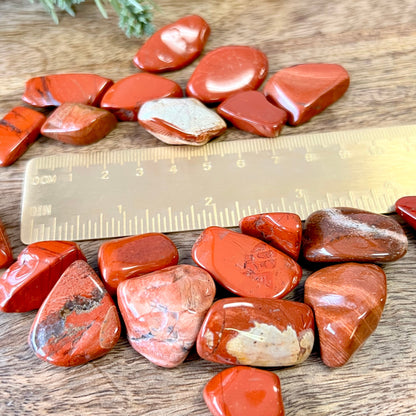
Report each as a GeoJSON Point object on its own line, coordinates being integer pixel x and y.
{"type": "Point", "coordinates": [374, 40]}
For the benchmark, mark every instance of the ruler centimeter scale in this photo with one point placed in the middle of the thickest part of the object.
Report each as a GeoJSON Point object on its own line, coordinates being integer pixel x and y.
{"type": "Point", "coordinates": [178, 188]}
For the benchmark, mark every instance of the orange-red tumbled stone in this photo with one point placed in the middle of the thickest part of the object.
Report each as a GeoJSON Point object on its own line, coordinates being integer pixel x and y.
{"type": "Point", "coordinates": [78, 124]}
{"type": "Point", "coordinates": [27, 282]}
{"type": "Point", "coordinates": [78, 321]}
{"type": "Point", "coordinates": [282, 230]}
{"type": "Point", "coordinates": [6, 254]}
{"type": "Point", "coordinates": [164, 310]}
{"type": "Point", "coordinates": [18, 129]}
{"type": "Point", "coordinates": [243, 390]}
{"type": "Point", "coordinates": [225, 71]}
{"type": "Point", "coordinates": [347, 300]}
{"type": "Point", "coordinates": [56, 89]}
{"type": "Point", "coordinates": [252, 112]}
{"type": "Point", "coordinates": [245, 265]}
{"type": "Point", "coordinates": [173, 46]}
{"type": "Point", "coordinates": [126, 96]}
{"type": "Point", "coordinates": [257, 332]}
{"type": "Point", "coordinates": [306, 90]}
{"type": "Point", "coordinates": [128, 257]}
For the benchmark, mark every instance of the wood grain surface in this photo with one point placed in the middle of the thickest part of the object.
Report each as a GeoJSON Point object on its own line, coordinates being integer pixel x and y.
{"type": "Point", "coordinates": [375, 40]}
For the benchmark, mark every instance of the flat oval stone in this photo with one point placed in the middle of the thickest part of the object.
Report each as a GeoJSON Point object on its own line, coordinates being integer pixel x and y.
{"type": "Point", "coordinates": [257, 332]}
{"type": "Point", "coordinates": [181, 121]}
{"type": "Point", "coordinates": [78, 124]}
{"type": "Point", "coordinates": [6, 254]}
{"type": "Point", "coordinates": [225, 71]}
{"type": "Point", "coordinates": [78, 321]}
{"type": "Point", "coordinates": [243, 390]}
{"type": "Point", "coordinates": [28, 281]}
{"type": "Point", "coordinates": [164, 310]}
{"type": "Point", "coordinates": [18, 130]}
{"type": "Point", "coordinates": [56, 89]}
{"type": "Point", "coordinates": [282, 230]}
{"type": "Point", "coordinates": [306, 90]}
{"type": "Point", "coordinates": [173, 46]}
{"type": "Point", "coordinates": [245, 265]}
{"type": "Point", "coordinates": [126, 96]}
{"type": "Point", "coordinates": [252, 112]}
{"type": "Point", "coordinates": [349, 234]}
{"type": "Point", "coordinates": [128, 257]}
{"type": "Point", "coordinates": [406, 208]}
{"type": "Point", "coordinates": [347, 300]}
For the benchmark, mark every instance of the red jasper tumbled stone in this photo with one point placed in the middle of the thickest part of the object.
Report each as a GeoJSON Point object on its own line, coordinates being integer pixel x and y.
{"type": "Point", "coordinates": [78, 321]}
{"type": "Point", "coordinates": [6, 254]}
{"type": "Point", "coordinates": [282, 230]}
{"type": "Point", "coordinates": [27, 282]}
{"type": "Point", "coordinates": [252, 112]}
{"type": "Point", "coordinates": [18, 129]}
{"type": "Point", "coordinates": [128, 257]}
{"type": "Point", "coordinates": [225, 71]}
{"type": "Point", "coordinates": [406, 208]}
{"type": "Point", "coordinates": [245, 265]}
{"type": "Point", "coordinates": [243, 390]}
{"type": "Point", "coordinates": [306, 90]}
{"type": "Point", "coordinates": [173, 46]}
{"type": "Point", "coordinates": [78, 124]}
{"type": "Point", "coordinates": [126, 96]}
{"type": "Point", "coordinates": [56, 89]}
{"type": "Point", "coordinates": [257, 332]}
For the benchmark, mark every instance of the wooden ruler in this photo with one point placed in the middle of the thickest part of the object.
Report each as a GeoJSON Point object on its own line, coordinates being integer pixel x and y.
{"type": "Point", "coordinates": [166, 189]}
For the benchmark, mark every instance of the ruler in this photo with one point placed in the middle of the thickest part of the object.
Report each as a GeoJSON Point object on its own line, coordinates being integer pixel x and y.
{"type": "Point", "coordinates": [178, 188]}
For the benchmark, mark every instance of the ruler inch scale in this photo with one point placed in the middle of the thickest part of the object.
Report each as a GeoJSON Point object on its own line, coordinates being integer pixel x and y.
{"type": "Point", "coordinates": [106, 194]}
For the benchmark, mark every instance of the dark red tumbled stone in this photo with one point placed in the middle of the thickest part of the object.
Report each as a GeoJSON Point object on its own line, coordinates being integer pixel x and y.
{"type": "Point", "coordinates": [6, 254]}
{"type": "Point", "coordinates": [406, 208]}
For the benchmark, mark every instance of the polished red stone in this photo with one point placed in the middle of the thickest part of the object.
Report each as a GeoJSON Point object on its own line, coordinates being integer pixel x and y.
{"type": "Point", "coordinates": [306, 90]}
{"type": "Point", "coordinates": [6, 254]}
{"type": "Point", "coordinates": [243, 390]}
{"type": "Point", "coordinates": [163, 311]}
{"type": "Point", "coordinates": [56, 89]}
{"type": "Point", "coordinates": [78, 321]}
{"type": "Point", "coordinates": [128, 257]}
{"type": "Point", "coordinates": [349, 234]}
{"type": "Point", "coordinates": [347, 300]}
{"type": "Point", "coordinates": [27, 282]}
{"type": "Point", "coordinates": [225, 71]}
{"type": "Point", "coordinates": [173, 46]}
{"type": "Point", "coordinates": [245, 265]}
{"type": "Point", "coordinates": [282, 230]}
{"type": "Point", "coordinates": [18, 129]}
{"type": "Point", "coordinates": [181, 121]}
{"type": "Point", "coordinates": [406, 208]}
{"type": "Point", "coordinates": [257, 332]}
{"type": "Point", "coordinates": [126, 96]}
{"type": "Point", "coordinates": [252, 112]}
{"type": "Point", "coordinates": [78, 124]}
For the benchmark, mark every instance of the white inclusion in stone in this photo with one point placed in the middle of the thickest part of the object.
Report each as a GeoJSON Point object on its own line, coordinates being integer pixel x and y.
{"type": "Point", "coordinates": [266, 346]}
{"type": "Point", "coordinates": [209, 339]}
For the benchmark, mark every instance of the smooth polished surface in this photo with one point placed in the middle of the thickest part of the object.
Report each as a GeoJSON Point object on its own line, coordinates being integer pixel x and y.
{"type": "Point", "coordinates": [406, 208]}
{"type": "Point", "coordinates": [245, 265]}
{"type": "Point", "coordinates": [164, 310]}
{"type": "Point", "coordinates": [56, 89]}
{"type": "Point", "coordinates": [243, 390]}
{"type": "Point", "coordinates": [173, 46]}
{"type": "Point", "coordinates": [347, 300]}
{"type": "Point", "coordinates": [126, 96]}
{"type": "Point", "coordinates": [181, 121]}
{"type": "Point", "coordinates": [257, 332]}
{"type": "Point", "coordinates": [28, 281]}
{"type": "Point", "coordinates": [252, 112]}
{"type": "Point", "coordinates": [19, 128]}
{"type": "Point", "coordinates": [282, 230]}
{"type": "Point", "coordinates": [6, 254]}
{"type": "Point", "coordinates": [128, 257]}
{"type": "Point", "coordinates": [78, 321]}
{"type": "Point", "coordinates": [78, 124]}
{"type": "Point", "coordinates": [225, 71]}
{"type": "Point", "coordinates": [349, 234]}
